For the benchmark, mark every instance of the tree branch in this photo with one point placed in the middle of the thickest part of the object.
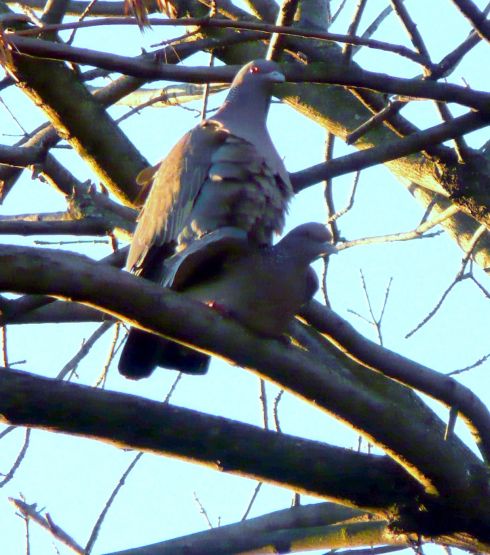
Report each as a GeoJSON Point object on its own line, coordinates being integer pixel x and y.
{"type": "Point", "coordinates": [475, 16]}
{"type": "Point", "coordinates": [216, 442]}
{"type": "Point", "coordinates": [351, 395]}
{"type": "Point", "coordinates": [438, 386]}
{"type": "Point", "coordinates": [351, 76]}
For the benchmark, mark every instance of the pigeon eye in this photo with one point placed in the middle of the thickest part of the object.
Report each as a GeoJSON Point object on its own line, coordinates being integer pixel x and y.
{"type": "Point", "coordinates": [254, 69]}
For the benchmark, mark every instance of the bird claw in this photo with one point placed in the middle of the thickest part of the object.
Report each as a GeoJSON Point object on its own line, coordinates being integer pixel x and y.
{"type": "Point", "coordinates": [219, 308]}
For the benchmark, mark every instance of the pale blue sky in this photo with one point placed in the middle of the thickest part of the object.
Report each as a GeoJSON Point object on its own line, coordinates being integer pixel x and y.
{"type": "Point", "coordinates": [73, 478]}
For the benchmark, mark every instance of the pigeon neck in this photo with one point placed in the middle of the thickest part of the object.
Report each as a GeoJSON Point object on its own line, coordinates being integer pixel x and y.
{"type": "Point", "coordinates": [244, 109]}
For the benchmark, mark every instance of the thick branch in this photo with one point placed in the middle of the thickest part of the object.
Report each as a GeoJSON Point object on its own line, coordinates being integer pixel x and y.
{"type": "Point", "coordinates": [351, 76]}
{"type": "Point", "coordinates": [478, 19]}
{"type": "Point", "coordinates": [21, 156]}
{"type": "Point", "coordinates": [364, 403]}
{"type": "Point", "coordinates": [250, 537]}
{"type": "Point", "coordinates": [219, 443]}
{"type": "Point", "coordinates": [439, 386]}
{"type": "Point", "coordinates": [81, 119]}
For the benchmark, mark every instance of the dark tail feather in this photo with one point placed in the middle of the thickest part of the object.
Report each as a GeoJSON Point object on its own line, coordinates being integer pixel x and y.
{"type": "Point", "coordinates": [144, 351]}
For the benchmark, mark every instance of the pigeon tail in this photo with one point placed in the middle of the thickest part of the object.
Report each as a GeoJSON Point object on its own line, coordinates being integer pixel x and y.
{"type": "Point", "coordinates": [144, 351]}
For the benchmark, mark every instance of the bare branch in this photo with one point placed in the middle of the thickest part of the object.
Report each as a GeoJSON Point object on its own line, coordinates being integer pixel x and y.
{"type": "Point", "coordinates": [242, 25]}
{"type": "Point", "coordinates": [475, 16]}
{"type": "Point", "coordinates": [479, 362]}
{"type": "Point", "coordinates": [20, 457]}
{"type": "Point", "coordinates": [330, 387]}
{"type": "Point", "coordinates": [438, 386]}
{"type": "Point", "coordinates": [95, 532]}
{"type": "Point", "coordinates": [416, 233]}
{"type": "Point", "coordinates": [390, 151]}
{"type": "Point", "coordinates": [71, 365]}
{"type": "Point", "coordinates": [352, 30]}
{"type": "Point", "coordinates": [30, 512]}
{"type": "Point", "coordinates": [252, 500]}
{"type": "Point", "coordinates": [412, 31]}
{"type": "Point", "coordinates": [460, 276]}
{"type": "Point", "coordinates": [285, 18]}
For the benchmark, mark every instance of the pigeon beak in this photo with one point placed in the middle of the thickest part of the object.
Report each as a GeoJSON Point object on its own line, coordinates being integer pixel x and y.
{"type": "Point", "coordinates": [276, 77]}
{"type": "Point", "coordinates": [327, 250]}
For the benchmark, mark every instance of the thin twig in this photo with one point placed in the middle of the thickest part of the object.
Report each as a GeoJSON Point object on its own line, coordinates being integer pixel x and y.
{"type": "Point", "coordinates": [460, 276]}
{"type": "Point", "coordinates": [20, 457]}
{"type": "Point", "coordinates": [101, 380]}
{"type": "Point", "coordinates": [30, 512]}
{"type": "Point", "coordinates": [352, 30]}
{"type": "Point", "coordinates": [3, 336]}
{"type": "Point", "coordinates": [203, 511]}
{"type": "Point", "coordinates": [275, 410]}
{"type": "Point", "coordinates": [98, 524]}
{"type": "Point", "coordinates": [433, 311]}
{"type": "Point", "coordinates": [338, 12]}
{"type": "Point", "coordinates": [350, 202]}
{"type": "Point", "coordinates": [328, 194]}
{"type": "Point", "coordinates": [328, 190]}
{"type": "Point", "coordinates": [205, 95]}
{"type": "Point", "coordinates": [264, 404]}
{"type": "Point", "coordinates": [172, 388]}
{"type": "Point", "coordinates": [485, 291]}
{"type": "Point", "coordinates": [479, 362]}
{"type": "Point", "coordinates": [12, 115]}
{"type": "Point", "coordinates": [27, 527]}
{"type": "Point", "coordinates": [376, 322]}
{"type": "Point", "coordinates": [418, 233]}
{"type": "Point", "coordinates": [72, 364]}
{"type": "Point", "coordinates": [252, 501]}
{"type": "Point", "coordinates": [240, 25]}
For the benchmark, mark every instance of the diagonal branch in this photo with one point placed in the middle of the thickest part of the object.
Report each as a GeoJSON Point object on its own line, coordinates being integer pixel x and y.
{"type": "Point", "coordinates": [438, 386]}
{"type": "Point", "coordinates": [348, 392]}
{"type": "Point", "coordinates": [352, 76]}
{"type": "Point", "coordinates": [477, 18]}
{"type": "Point", "coordinates": [214, 441]}
{"type": "Point", "coordinates": [398, 148]}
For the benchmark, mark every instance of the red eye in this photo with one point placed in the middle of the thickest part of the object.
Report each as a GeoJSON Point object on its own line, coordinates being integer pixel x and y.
{"type": "Point", "coordinates": [254, 69]}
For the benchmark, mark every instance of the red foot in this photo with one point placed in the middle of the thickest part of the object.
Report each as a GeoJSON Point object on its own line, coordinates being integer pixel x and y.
{"type": "Point", "coordinates": [220, 308]}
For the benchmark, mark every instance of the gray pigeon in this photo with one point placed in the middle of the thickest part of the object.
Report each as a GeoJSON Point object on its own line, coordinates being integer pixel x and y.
{"type": "Point", "coordinates": [262, 287]}
{"type": "Point", "coordinates": [223, 173]}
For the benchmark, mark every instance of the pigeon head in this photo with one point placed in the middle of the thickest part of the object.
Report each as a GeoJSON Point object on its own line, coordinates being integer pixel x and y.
{"type": "Point", "coordinates": [250, 93]}
{"type": "Point", "coordinates": [259, 74]}
{"type": "Point", "coordinates": [307, 242]}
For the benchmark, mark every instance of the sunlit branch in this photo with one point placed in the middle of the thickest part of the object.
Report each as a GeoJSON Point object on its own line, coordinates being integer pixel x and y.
{"type": "Point", "coordinates": [477, 18]}
{"type": "Point", "coordinates": [389, 151]}
{"type": "Point", "coordinates": [352, 30]}
{"type": "Point", "coordinates": [219, 443]}
{"type": "Point", "coordinates": [319, 73]}
{"type": "Point", "coordinates": [284, 19]}
{"type": "Point", "coordinates": [240, 25]}
{"type": "Point", "coordinates": [439, 386]}
{"type": "Point", "coordinates": [46, 522]}
{"type": "Point", "coordinates": [416, 233]}
{"type": "Point", "coordinates": [329, 387]}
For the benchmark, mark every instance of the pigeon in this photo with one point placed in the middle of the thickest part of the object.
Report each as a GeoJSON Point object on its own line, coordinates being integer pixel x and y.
{"type": "Point", "coordinates": [263, 287]}
{"type": "Point", "coordinates": [225, 172]}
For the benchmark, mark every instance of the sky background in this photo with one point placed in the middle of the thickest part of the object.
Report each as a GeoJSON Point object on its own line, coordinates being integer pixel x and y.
{"type": "Point", "coordinates": [73, 478]}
